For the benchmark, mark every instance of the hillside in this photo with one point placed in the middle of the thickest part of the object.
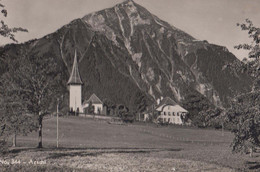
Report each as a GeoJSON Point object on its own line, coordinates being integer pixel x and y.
{"type": "Point", "coordinates": [125, 51]}
{"type": "Point", "coordinates": [96, 145]}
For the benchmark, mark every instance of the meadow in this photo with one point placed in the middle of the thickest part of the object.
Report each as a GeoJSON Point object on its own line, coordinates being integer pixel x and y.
{"type": "Point", "coordinates": [97, 145]}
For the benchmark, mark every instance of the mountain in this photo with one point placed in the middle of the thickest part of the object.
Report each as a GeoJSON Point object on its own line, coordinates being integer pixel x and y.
{"type": "Point", "coordinates": [125, 51]}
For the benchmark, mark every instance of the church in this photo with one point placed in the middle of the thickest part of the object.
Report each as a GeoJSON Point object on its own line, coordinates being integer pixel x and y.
{"type": "Point", "coordinates": [75, 88]}
{"type": "Point", "coordinates": [75, 96]}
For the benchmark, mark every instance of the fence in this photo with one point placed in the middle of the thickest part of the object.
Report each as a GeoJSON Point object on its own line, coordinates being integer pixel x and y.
{"type": "Point", "coordinates": [98, 117]}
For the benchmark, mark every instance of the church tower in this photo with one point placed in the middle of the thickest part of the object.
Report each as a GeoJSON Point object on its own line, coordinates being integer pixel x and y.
{"type": "Point", "coordinates": [75, 87]}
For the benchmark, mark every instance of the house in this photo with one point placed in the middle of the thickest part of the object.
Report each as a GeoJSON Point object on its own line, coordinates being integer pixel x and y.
{"type": "Point", "coordinates": [166, 111]}
{"type": "Point", "coordinates": [96, 102]}
{"type": "Point", "coordinates": [170, 112]}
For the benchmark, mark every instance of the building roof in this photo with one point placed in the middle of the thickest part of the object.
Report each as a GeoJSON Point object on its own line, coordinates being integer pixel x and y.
{"type": "Point", "coordinates": [94, 99]}
{"type": "Point", "coordinates": [168, 101]}
{"type": "Point", "coordinates": [75, 78]}
{"type": "Point", "coordinates": [178, 108]}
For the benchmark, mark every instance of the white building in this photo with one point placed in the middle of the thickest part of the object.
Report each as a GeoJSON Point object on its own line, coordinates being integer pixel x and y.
{"type": "Point", "coordinates": [96, 102]}
{"type": "Point", "coordinates": [75, 88]}
{"type": "Point", "coordinates": [169, 111]}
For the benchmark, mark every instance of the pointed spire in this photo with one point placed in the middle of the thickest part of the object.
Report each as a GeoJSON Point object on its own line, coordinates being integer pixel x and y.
{"type": "Point", "coordinates": [75, 78]}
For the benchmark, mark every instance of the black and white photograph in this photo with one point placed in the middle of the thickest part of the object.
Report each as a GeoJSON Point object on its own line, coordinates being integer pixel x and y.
{"type": "Point", "coordinates": [130, 85]}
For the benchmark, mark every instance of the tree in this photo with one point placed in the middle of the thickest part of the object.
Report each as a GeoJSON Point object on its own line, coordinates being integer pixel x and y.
{"type": "Point", "coordinates": [254, 34]}
{"type": "Point", "coordinates": [110, 106]}
{"type": "Point", "coordinates": [195, 103]}
{"type": "Point", "coordinates": [250, 66]}
{"type": "Point", "coordinates": [244, 115]}
{"type": "Point", "coordinates": [201, 119]}
{"type": "Point", "coordinates": [5, 31]}
{"type": "Point", "coordinates": [154, 114]}
{"type": "Point", "coordinates": [185, 118]}
{"type": "Point", "coordinates": [35, 84]}
{"type": "Point", "coordinates": [139, 103]}
{"type": "Point", "coordinates": [14, 120]}
{"type": "Point", "coordinates": [244, 112]}
{"type": "Point", "coordinates": [124, 114]}
{"type": "Point", "coordinates": [90, 108]}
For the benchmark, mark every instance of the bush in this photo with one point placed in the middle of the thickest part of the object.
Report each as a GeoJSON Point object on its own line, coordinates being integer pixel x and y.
{"type": "Point", "coordinates": [128, 118]}
{"type": "Point", "coordinates": [3, 146]}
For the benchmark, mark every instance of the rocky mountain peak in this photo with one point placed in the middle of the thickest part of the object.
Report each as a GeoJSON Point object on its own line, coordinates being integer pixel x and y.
{"type": "Point", "coordinates": [128, 48]}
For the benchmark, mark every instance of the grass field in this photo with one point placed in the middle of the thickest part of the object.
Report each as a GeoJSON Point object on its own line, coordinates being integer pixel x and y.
{"type": "Point", "coordinates": [99, 146]}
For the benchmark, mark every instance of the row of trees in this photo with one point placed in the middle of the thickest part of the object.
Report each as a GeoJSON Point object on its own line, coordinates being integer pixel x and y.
{"type": "Point", "coordinates": [138, 103]}
{"type": "Point", "coordinates": [119, 110]}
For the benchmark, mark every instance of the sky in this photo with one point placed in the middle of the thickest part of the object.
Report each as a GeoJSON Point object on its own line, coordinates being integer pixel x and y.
{"type": "Point", "coordinates": [211, 20]}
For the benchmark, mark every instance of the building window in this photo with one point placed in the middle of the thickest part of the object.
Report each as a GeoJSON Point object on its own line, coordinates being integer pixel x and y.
{"type": "Point", "coordinates": [169, 119]}
{"type": "Point", "coordinates": [177, 113]}
{"type": "Point", "coordinates": [164, 113]}
{"type": "Point", "coordinates": [169, 113]}
{"type": "Point", "coordinates": [173, 114]}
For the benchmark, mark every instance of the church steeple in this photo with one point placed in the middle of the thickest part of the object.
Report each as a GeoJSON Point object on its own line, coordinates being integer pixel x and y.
{"type": "Point", "coordinates": [75, 78]}
{"type": "Point", "coordinates": [75, 86]}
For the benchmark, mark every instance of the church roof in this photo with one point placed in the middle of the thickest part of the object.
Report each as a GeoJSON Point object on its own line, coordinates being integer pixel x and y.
{"type": "Point", "coordinates": [75, 78]}
{"type": "Point", "coordinates": [94, 99]}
